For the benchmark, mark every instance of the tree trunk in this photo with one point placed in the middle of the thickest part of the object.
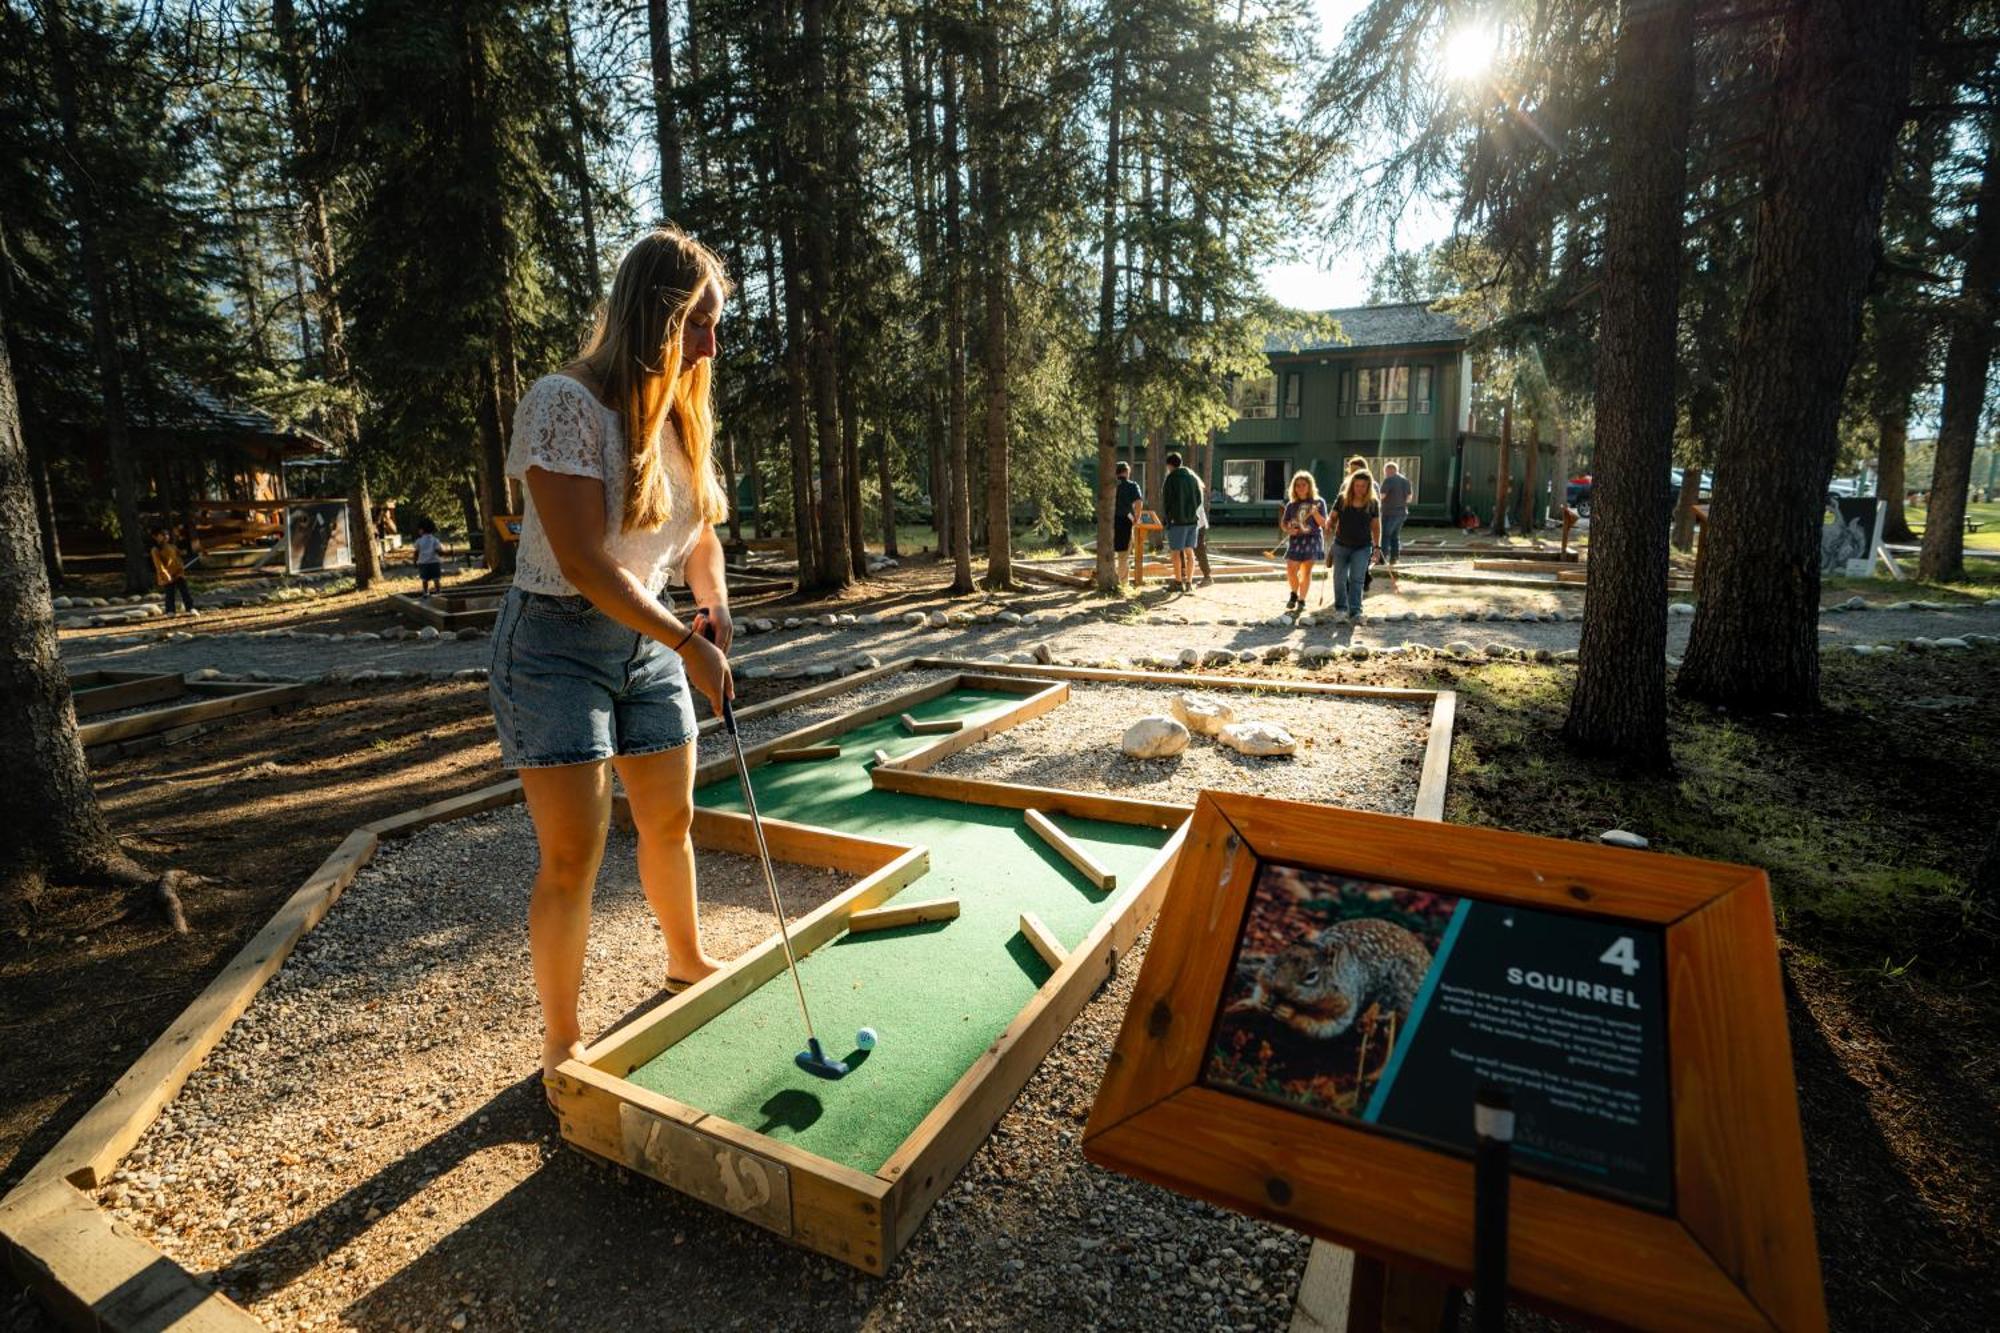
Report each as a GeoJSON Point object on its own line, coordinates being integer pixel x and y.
{"type": "Point", "coordinates": [1502, 482]}
{"type": "Point", "coordinates": [1839, 102]}
{"type": "Point", "coordinates": [993, 262]}
{"type": "Point", "coordinates": [732, 476]}
{"type": "Point", "coordinates": [836, 559]}
{"type": "Point", "coordinates": [850, 471]}
{"type": "Point", "coordinates": [666, 127]}
{"type": "Point", "coordinates": [45, 515]}
{"type": "Point", "coordinates": [1690, 496]}
{"type": "Point", "coordinates": [493, 464]}
{"type": "Point", "coordinates": [1966, 360]}
{"type": "Point", "coordinates": [1531, 458]}
{"type": "Point", "coordinates": [342, 423]}
{"type": "Point", "coordinates": [1892, 429]}
{"type": "Point", "coordinates": [1619, 706]}
{"type": "Point", "coordinates": [47, 806]}
{"type": "Point", "coordinates": [847, 170]}
{"type": "Point", "coordinates": [1107, 335]}
{"type": "Point", "coordinates": [85, 214]}
{"type": "Point", "coordinates": [888, 486]}
{"type": "Point", "coordinates": [958, 463]}
{"type": "Point", "coordinates": [580, 159]}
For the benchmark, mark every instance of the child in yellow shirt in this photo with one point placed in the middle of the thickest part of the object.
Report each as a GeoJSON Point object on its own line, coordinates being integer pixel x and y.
{"type": "Point", "coordinates": [169, 574]}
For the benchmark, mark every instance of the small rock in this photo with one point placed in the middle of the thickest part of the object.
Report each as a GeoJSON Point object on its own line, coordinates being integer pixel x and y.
{"type": "Point", "coordinates": [1258, 738]}
{"type": "Point", "coordinates": [1154, 737]}
{"type": "Point", "coordinates": [938, 620]}
{"type": "Point", "coordinates": [1189, 657]}
{"type": "Point", "coordinates": [1044, 654]}
{"type": "Point", "coordinates": [1619, 837]}
{"type": "Point", "coordinates": [1498, 650]}
{"type": "Point", "coordinates": [1568, 655]}
{"type": "Point", "coordinates": [915, 618]}
{"type": "Point", "coordinates": [792, 622]}
{"type": "Point", "coordinates": [1853, 604]}
{"type": "Point", "coordinates": [1681, 609]}
{"type": "Point", "coordinates": [1953, 643]}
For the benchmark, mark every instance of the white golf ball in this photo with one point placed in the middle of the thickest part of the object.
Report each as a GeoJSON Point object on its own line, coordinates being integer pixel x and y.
{"type": "Point", "coordinates": [865, 1039]}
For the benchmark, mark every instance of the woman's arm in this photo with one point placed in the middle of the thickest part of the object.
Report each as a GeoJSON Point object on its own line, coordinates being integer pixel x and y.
{"type": "Point", "coordinates": [1375, 532]}
{"type": "Point", "coordinates": [571, 510]}
{"type": "Point", "coordinates": [707, 580]}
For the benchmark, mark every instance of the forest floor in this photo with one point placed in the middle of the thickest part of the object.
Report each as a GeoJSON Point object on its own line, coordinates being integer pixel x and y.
{"type": "Point", "coordinates": [1868, 816]}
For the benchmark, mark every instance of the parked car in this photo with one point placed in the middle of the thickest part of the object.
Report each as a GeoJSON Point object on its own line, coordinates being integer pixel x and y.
{"type": "Point", "coordinates": [1701, 492]}
{"type": "Point", "coordinates": [1579, 494]}
{"type": "Point", "coordinates": [1845, 487]}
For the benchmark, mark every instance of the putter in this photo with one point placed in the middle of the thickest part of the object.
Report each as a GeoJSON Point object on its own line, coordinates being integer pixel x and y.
{"type": "Point", "coordinates": [812, 1059]}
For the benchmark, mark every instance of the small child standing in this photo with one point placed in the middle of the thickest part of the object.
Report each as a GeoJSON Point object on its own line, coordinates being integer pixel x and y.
{"type": "Point", "coordinates": [430, 559]}
{"type": "Point", "coordinates": [169, 574]}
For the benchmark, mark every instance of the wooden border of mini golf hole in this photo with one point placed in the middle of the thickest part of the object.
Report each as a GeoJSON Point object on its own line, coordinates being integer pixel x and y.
{"type": "Point", "coordinates": [92, 1272]}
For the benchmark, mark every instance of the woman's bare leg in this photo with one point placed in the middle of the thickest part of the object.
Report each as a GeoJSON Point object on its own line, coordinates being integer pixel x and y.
{"type": "Point", "coordinates": [571, 808]}
{"type": "Point", "coordinates": [661, 788]}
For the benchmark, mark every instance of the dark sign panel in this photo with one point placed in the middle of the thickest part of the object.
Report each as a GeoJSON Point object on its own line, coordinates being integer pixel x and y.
{"type": "Point", "coordinates": [1390, 1006]}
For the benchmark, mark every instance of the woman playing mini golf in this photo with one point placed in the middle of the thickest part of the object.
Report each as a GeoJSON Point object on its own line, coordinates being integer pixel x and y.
{"type": "Point", "coordinates": [1302, 526]}
{"type": "Point", "coordinates": [591, 667]}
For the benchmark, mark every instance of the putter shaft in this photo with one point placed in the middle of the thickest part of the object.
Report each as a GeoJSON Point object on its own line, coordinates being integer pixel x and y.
{"type": "Point", "coordinates": [770, 878]}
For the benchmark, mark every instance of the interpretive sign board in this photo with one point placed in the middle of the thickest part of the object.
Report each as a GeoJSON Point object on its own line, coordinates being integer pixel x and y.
{"type": "Point", "coordinates": [1326, 991]}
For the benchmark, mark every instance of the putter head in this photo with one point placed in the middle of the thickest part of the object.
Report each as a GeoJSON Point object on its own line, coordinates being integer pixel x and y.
{"type": "Point", "coordinates": [816, 1062]}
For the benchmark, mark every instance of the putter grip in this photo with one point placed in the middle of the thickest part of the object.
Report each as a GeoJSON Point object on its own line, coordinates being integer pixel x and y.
{"type": "Point", "coordinates": [705, 623]}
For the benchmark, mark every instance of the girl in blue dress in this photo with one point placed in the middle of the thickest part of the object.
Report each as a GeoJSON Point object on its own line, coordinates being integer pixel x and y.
{"type": "Point", "coordinates": [1303, 524]}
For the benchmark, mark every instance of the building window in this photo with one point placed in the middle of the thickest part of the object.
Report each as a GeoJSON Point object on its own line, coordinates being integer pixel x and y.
{"type": "Point", "coordinates": [1257, 397]}
{"type": "Point", "coordinates": [1382, 390]}
{"type": "Point", "coordinates": [1248, 481]}
{"type": "Point", "coordinates": [1420, 388]}
{"type": "Point", "coordinates": [1294, 387]}
{"type": "Point", "coordinates": [1411, 466]}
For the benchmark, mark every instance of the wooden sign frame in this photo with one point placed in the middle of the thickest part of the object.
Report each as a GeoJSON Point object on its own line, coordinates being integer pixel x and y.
{"type": "Point", "coordinates": [1737, 1250]}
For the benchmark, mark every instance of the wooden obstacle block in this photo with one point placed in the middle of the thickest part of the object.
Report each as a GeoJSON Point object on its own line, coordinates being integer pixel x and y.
{"type": "Point", "coordinates": [804, 754]}
{"type": "Point", "coordinates": [941, 727]}
{"type": "Point", "coordinates": [881, 758]}
{"type": "Point", "coordinates": [902, 914]}
{"type": "Point", "coordinates": [1044, 940]}
{"type": "Point", "coordinates": [1073, 852]}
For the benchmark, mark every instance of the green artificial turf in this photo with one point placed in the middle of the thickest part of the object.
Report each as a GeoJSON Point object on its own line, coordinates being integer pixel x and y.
{"type": "Point", "coordinates": [937, 994]}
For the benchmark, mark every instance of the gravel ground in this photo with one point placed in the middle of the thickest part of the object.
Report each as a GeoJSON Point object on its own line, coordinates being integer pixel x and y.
{"type": "Point", "coordinates": [367, 1148]}
{"type": "Point", "coordinates": [1236, 617]}
{"type": "Point", "coordinates": [1356, 753]}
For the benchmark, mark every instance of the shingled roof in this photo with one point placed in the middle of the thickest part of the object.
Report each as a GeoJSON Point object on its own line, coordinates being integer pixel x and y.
{"type": "Point", "coordinates": [1363, 326]}
{"type": "Point", "coordinates": [193, 408]}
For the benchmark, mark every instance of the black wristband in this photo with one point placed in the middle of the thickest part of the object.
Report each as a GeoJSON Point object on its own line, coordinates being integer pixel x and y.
{"type": "Point", "coordinates": [684, 639]}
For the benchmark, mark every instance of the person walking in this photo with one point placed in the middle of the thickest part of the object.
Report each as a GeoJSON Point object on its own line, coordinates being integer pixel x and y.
{"type": "Point", "coordinates": [1357, 539]}
{"type": "Point", "coordinates": [1303, 525]}
{"type": "Point", "coordinates": [1180, 510]}
{"type": "Point", "coordinates": [1396, 491]}
{"type": "Point", "coordinates": [592, 671]}
{"type": "Point", "coordinates": [1125, 509]}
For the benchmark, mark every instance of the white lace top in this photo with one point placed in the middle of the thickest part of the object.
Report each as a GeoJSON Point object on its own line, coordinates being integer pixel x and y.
{"type": "Point", "coordinates": [561, 427]}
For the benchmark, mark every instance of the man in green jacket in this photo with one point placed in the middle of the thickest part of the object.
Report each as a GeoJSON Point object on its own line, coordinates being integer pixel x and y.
{"type": "Point", "coordinates": [1180, 509]}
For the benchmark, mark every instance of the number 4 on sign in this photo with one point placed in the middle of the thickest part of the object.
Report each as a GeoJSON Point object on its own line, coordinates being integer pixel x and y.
{"type": "Point", "coordinates": [1620, 955]}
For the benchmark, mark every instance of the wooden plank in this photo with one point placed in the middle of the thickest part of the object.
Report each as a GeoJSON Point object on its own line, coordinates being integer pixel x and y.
{"type": "Point", "coordinates": [803, 754]}
{"type": "Point", "coordinates": [1437, 758]}
{"type": "Point", "coordinates": [938, 727]}
{"type": "Point", "coordinates": [239, 698]}
{"type": "Point", "coordinates": [646, 1035]}
{"type": "Point", "coordinates": [1071, 851]}
{"type": "Point", "coordinates": [94, 1145]}
{"type": "Point", "coordinates": [452, 807]}
{"type": "Point", "coordinates": [1019, 796]}
{"type": "Point", "coordinates": [802, 844]}
{"type": "Point", "coordinates": [91, 1272]}
{"type": "Point", "coordinates": [1739, 1157]}
{"type": "Point", "coordinates": [1044, 941]}
{"type": "Point", "coordinates": [926, 1162]}
{"type": "Point", "coordinates": [882, 758]}
{"type": "Point", "coordinates": [836, 1210]}
{"type": "Point", "coordinates": [812, 694]}
{"type": "Point", "coordinates": [1173, 678]}
{"type": "Point", "coordinates": [902, 914]}
{"type": "Point", "coordinates": [1038, 702]}
{"type": "Point", "coordinates": [97, 692]}
{"type": "Point", "coordinates": [719, 769]}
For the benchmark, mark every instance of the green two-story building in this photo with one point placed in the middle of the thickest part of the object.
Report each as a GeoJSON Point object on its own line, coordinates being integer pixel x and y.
{"type": "Point", "coordinates": [1392, 384]}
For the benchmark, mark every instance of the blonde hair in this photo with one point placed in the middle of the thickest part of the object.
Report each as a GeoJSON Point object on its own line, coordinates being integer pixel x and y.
{"type": "Point", "coordinates": [634, 355]}
{"type": "Point", "coordinates": [1347, 487]}
{"type": "Point", "coordinates": [1356, 464]}
{"type": "Point", "coordinates": [1312, 486]}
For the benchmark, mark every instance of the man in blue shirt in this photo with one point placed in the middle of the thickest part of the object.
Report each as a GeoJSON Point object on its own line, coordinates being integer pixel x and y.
{"type": "Point", "coordinates": [1395, 491]}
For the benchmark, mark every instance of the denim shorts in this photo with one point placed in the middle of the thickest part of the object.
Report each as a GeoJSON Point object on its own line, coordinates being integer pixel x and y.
{"type": "Point", "coordinates": [570, 685]}
{"type": "Point", "coordinates": [1183, 536]}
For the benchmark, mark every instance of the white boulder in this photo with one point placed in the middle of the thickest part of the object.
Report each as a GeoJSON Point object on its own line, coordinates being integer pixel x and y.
{"type": "Point", "coordinates": [1258, 738]}
{"type": "Point", "coordinates": [1154, 737]}
{"type": "Point", "coordinates": [1203, 713]}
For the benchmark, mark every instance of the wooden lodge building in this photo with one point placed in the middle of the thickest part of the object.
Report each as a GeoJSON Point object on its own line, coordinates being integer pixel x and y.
{"type": "Point", "coordinates": [1395, 384]}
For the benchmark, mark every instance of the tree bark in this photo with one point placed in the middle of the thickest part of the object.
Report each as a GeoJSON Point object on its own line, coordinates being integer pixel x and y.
{"type": "Point", "coordinates": [1107, 334]}
{"type": "Point", "coordinates": [1967, 358]}
{"type": "Point", "coordinates": [958, 462]}
{"type": "Point", "coordinates": [580, 160]}
{"type": "Point", "coordinates": [836, 558]}
{"type": "Point", "coordinates": [666, 126]}
{"type": "Point", "coordinates": [1502, 483]}
{"type": "Point", "coordinates": [1619, 706]}
{"type": "Point", "coordinates": [85, 213]}
{"type": "Point", "coordinates": [887, 483]}
{"type": "Point", "coordinates": [53, 826]}
{"type": "Point", "coordinates": [1892, 462]}
{"type": "Point", "coordinates": [304, 170]}
{"type": "Point", "coordinates": [993, 263]}
{"type": "Point", "coordinates": [1839, 102]}
{"type": "Point", "coordinates": [492, 464]}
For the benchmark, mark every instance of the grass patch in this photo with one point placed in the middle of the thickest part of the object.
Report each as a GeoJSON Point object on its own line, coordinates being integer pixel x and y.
{"type": "Point", "coordinates": [1980, 583]}
{"type": "Point", "coordinates": [1869, 815]}
{"type": "Point", "coordinates": [1987, 516]}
